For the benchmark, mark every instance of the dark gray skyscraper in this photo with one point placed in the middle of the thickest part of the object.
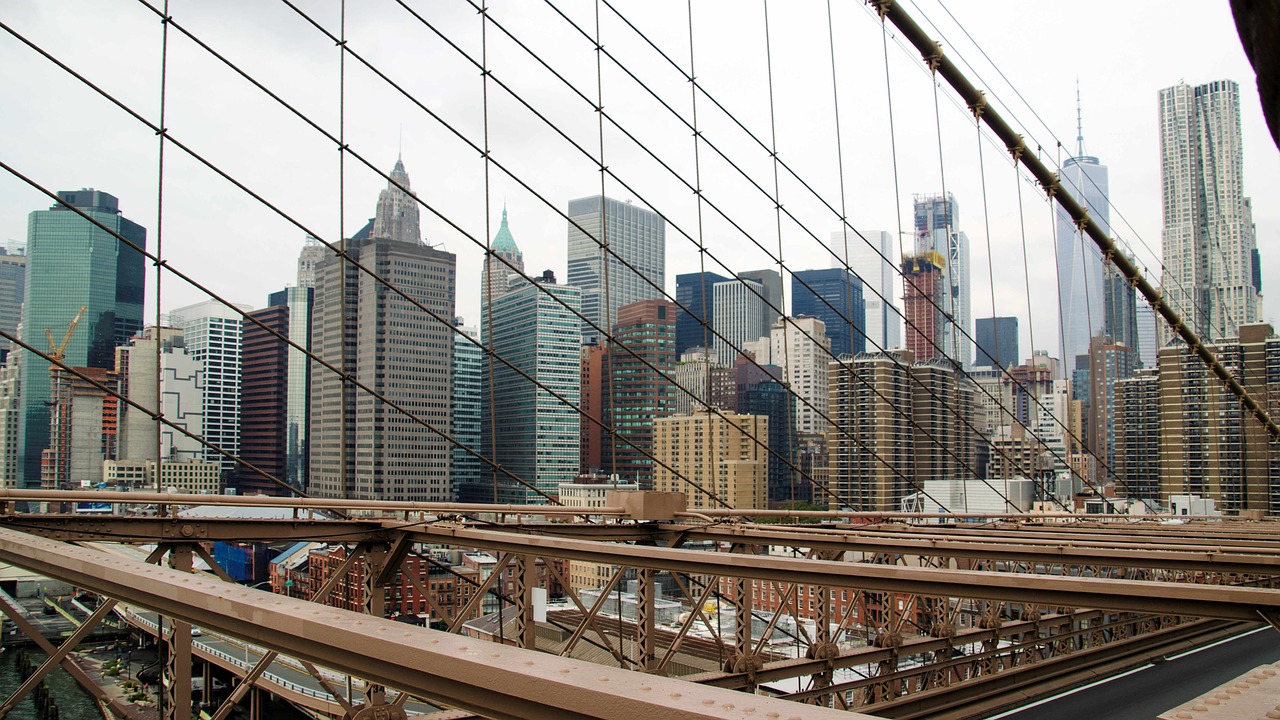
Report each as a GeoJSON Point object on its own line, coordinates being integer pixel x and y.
{"type": "Point", "coordinates": [695, 291]}
{"type": "Point", "coordinates": [361, 447]}
{"type": "Point", "coordinates": [636, 237]}
{"type": "Point", "coordinates": [72, 263]}
{"type": "Point", "coordinates": [771, 281]}
{"type": "Point", "coordinates": [833, 296]}
{"type": "Point", "coordinates": [997, 342]}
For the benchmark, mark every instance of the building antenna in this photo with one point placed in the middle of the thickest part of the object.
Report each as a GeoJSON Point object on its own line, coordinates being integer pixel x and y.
{"type": "Point", "coordinates": [1079, 124]}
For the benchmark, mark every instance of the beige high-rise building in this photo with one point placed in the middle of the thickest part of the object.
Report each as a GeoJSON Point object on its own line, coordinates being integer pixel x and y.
{"type": "Point", "coordinates": [725, 454]}
{"type": "Point", "coordinates": [1208, 445]}
{"type": "Point", "coordinates": [942, 410]}
{"type": "Point", "coordinates": [897, 424]}
{"type": "Point", "coordinates": [870, 445]}
{"type": "Point", "coordinates": [360, 446]}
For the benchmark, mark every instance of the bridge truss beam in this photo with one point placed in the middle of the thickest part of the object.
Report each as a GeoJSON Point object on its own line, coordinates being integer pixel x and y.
{"type": "Point", "coordinates": [491, 679]}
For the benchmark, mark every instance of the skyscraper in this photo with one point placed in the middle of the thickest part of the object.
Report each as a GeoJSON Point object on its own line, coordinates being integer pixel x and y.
{"type": "Point", "coordinates": [761, 393]}
{"type": "Point", "coordinates": [695, 291]}
{"type": "Point", "coordinates": [312, 252]}
{"type": "Point", "coordinates": [264, 369]}
{"type": "Point", "coordinates": [502, 248]}
{"type": "Point", "coordinates": [212, 336]}
{"type": "Point", "coordinates": [922, 305]}
{"type": "Point", "coordinates": [72, 263]}
{"type": "Point", "coordinates": [638, 390]}
{"type": "Point", "coordinates": [635, 237]}
{"type": "Point", "coordinates": [1148, 338]}
{"type": "Point", "coordinates": [13, 277]}
{"type": "Point", "coordinates": [1081, 300]}
{"type": "Point", "coordinates": [874, 261]}
{"type": "Point", "coordinates": [1109, 362]}
{"type": "Point", "coordinates": [182, 401]}
{"type": "Point", "coordinates": [871, 452]}
{"type": "Point", "coordinates": [1121, 303]}
{"type": "Point", "coordinates": [771, 306]}
{"type": "Point", "coordinates": [275, 393]}
{"type": "Point", "coordinates": [1207, 239]}
{"type": "Point", "coordinates": [936, 217]}
{"type": "Point", "coordinates": [360, 446]}
{"type": "Point", "coordinates": [835, 297]}
{"type": "Point", "coordinates": [468, 378]}
{"type": "Point", "coordinates": [739, 307]}
{"type": "Point", "coordinates": [997, 342]}
{"type": "Point", "coordinates": [537, 432]}
{"type": "Point", "coordinates": [800, 347]}
{"type": "Point", "coordinates": [724, 454]}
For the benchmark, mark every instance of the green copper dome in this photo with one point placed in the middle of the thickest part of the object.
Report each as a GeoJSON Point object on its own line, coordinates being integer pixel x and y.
{"type": "Point", "coordinates": [503, 243]}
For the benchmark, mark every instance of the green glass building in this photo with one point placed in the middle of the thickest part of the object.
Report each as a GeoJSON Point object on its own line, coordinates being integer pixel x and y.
{"type": "Point", "coordinates": [71, 263]}
{"type": "Point", "coordinates": [537, 433]}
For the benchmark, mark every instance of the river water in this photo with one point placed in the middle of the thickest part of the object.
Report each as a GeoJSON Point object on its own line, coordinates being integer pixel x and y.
{"type": "Point", "coordinates": [73, 702]}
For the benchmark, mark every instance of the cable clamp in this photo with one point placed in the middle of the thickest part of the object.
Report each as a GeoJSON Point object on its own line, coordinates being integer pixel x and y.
{"type": "Point", "coordinates": [1082, 222]}
{"type": "Point", "coordinates": [934, 59]}
{"type": "Point", "coordinates": [1017, 149]}
{"type": "Point", "coordinates": [881, 6]}
{"type": "Point", "coordinates": [977, 106]}
{"type": "Point", "coordinates": [1051, 188]}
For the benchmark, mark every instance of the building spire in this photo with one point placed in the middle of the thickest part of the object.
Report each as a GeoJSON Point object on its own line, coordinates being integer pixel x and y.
{"type": "Point", "coordinates": [1079, 124]}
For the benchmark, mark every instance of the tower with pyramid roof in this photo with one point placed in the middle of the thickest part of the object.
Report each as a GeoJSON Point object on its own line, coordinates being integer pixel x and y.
{"type": "Point", "coordinates": [495, 270]}
{"type": "Point", "coordinates": [362, 447]}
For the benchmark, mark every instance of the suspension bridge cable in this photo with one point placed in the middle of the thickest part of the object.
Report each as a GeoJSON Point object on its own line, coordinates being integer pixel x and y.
{"type": "Point", "coordinates": [964, 332]}
{"type": "Point", "coordinates": [346, 148]}
{"type": "Point", "coordinates": [666, 166]}
{"type": "Point", "coordinates": [1058, 141]}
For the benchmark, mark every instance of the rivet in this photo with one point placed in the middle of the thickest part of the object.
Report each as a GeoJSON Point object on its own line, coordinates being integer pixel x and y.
{"type": "Point", "coordinates": [603, 678]}
{"type": "Point", "coordinates": [1200, 708]}
{"type": "Point", "coordinates": [708, 701]}
{"type": "Point", "coordinates": [1212, 701]}
{"type": "Point", "coordinates": [675, 696]}
{"type": "Point", "coordinates": [564, 671]}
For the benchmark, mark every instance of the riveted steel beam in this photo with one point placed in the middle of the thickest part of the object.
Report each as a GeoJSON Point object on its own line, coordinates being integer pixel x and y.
{"type": "Point", "coordinates": [490, 679]}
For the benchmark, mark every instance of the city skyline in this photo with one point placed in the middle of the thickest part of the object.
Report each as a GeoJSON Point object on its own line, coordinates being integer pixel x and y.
{"type": "Point", "coordinates": [1127, 138]}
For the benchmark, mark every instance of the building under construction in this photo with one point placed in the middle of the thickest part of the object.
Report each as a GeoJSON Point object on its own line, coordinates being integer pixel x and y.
{"type": "Point", "coordinates": [922, 275]}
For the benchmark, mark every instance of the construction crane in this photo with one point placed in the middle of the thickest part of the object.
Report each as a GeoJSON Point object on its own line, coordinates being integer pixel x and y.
{"type": "Point", "coordinates": [56, 352]}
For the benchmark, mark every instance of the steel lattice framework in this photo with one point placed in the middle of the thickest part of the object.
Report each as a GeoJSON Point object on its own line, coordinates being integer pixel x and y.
{"type": "Point", "coordinates": [954, 618]}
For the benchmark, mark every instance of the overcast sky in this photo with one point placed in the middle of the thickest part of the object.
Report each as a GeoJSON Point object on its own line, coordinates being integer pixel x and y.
{"type": "Point", "coordinates": [65, 136]}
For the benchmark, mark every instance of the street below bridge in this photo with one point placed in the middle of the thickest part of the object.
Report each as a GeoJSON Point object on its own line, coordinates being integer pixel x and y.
{"type": "Point", "coordinates": [1152, 689]}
